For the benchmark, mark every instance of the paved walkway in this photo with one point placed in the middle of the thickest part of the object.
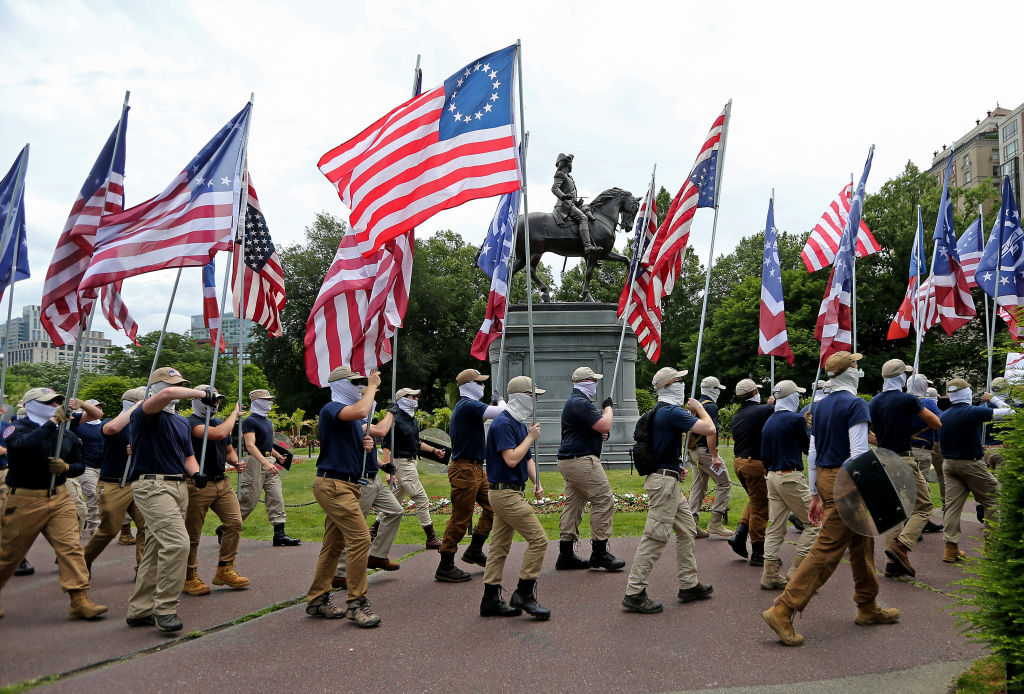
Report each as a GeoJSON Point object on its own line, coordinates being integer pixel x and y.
{"type": "Point", "coordinates": [432, 638]}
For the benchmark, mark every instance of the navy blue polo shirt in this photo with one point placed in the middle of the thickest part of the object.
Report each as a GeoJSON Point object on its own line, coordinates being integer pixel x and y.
{"type": "Point", "coordinates": [578, 436]}
{"type": "Point", "coordinates": [892, 413]}
{"type": "Point", "coordinates": [160, 443]}
{"type": "Point", "coordinates": [263, 428]}
{"type": "Point", "coordinates": [467, 430]}
{"type": "Point", "coordinates": [670, 423]}
{"type": "Point", "coordinates": [216, 451]}
{"type": "Point", "coordinates": [115, 452]}
{"type": "Point", "coordinates": [506, 433]}
{"type": "Point", "coordinates": [920, 433]}
{"type": "Point", "coordinates": [746, 428]}
{"type": "Point", "coordinates": [92, 440]}
{"type": "Point", "coordinates": [960, 435]}
{"type": "Point", "coordinates": [784, 440]}
{"type": "Point", "coordinates": [407, 436]}
{"type": "Point", "coordinates": [833, 418]}
{"type": "Point", "coordinates": [341, 443]}
{"type": "Point", "coordinates": [712, 409]}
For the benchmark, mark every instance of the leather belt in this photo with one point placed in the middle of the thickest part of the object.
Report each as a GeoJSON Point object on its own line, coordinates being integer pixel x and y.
{"type": "Point", "coordinates": [497, 486]}
{"type": "Point", "coordinates": [216, 478]}
{"type": "Point", "coordinates": [164, 478]}
{"type": "Point", "coordinates": [37, 492]}
{"type": "Point", "coordinates": [469, 461]}
{"type": "Point", "coordinates": [111, 479]}
{"type": "Point", "coordinates": [665, 471]}
{"type": "Point", "coordinates": [331, 475]}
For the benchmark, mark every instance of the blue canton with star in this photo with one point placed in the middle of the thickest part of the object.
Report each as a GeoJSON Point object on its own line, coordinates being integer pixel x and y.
{"type": "Point", "coordinates": [771, 273]}
{"type": "Point", "coordinates": [214, 168]}
{"type": "Point", "coordinates": [480, 95]}
{"type": "Point", "coordinates": [258, 246]}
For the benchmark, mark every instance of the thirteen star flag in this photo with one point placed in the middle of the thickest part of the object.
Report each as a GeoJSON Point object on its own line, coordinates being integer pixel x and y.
{"type": "Point", "coordinates": [772, 337]}
{"type": "Point", "coordinates": [493, 260]}
{"type": "Point", "coordinates": [1004, 280]}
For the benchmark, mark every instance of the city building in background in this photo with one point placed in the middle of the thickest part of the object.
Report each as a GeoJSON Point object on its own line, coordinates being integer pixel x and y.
{"type": "Point", "coordinates": [30, 343]}
{"type": "Point", "coordinates": [232, 329]}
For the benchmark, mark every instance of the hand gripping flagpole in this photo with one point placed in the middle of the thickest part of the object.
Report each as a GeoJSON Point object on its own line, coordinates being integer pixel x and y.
{"type": "Point", "coordinates": [496, 379]}
{"type": "Point", "coordinates": [12, 215]}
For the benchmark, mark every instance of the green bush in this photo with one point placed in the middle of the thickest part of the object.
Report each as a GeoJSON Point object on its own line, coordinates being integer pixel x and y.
{"type": "Point", "coordinates": [645, 400]}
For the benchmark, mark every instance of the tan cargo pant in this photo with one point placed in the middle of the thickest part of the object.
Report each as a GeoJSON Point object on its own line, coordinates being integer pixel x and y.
{"type": "Point", "coordinates": [74, 488]}
{"type": "Point", "coordinates": [512, 513]}
{"type": "Point", "coordinates": [254, 480]}
{"type": "Point", "coordinates": [30, 512]}
{"type": "Point", "coordinates": [787, 493]}
{"type": "Point", "coordinates": [926, 460]}
{"type": "Point", "coordinates": [702, 473]}
{"type": "Point", "coordinates": [162, 569]}
{"type": "Point", "coordinates": [90, 480]}
{"type": "Point", "coordinates": [585, 480]}
{"type": "Point", "coordinates": [668, 512]}
{"type": "Point", "coordinates": [751, 474]}
{"type": "Point", "coordinates": [377, 496]}
{"type": "Point", "coordinates": [922, 509]}
{"type": "Point", "coordinates": [828, 549]}
{"type": "Point", "coordinates": [409, 486]}
{"type": "Point", "coordinates": [963, 477]}
{"type": "Point", "coordinates": [344, 528]}
{"type": "Point", "coordinates": [220, 498]}
{"type": "Point", "coordinates": [114, 501]}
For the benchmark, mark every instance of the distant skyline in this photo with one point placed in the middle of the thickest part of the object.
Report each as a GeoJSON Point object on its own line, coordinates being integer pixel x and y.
{"type": "Point", "coordinates": [813, 87]}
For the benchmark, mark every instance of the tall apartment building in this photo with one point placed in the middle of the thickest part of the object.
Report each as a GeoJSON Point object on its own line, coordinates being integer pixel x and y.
{"type": "Point", "coordinates": [232, 330]}
{"type": "Point", "coordinates": [977, 155]}
{"type": "Point", "coordinates": [31, 343]}
{"type": "Point", "coordinates": [1011, 148]}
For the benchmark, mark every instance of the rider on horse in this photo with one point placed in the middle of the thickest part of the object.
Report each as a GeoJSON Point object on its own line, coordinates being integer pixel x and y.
{"type": "Point", "coordinates": [569, 206]}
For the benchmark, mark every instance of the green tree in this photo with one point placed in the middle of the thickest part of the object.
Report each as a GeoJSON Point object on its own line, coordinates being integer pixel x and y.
{"type": "Point", "coordinates": [108, 390]}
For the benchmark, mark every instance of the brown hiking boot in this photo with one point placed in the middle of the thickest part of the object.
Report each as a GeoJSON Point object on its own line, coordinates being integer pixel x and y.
{"type": "Point", "coordinates": [359, 612]}
{"type": "Point", "coordinates": [700, 531]}
{"type": "Point", "coordinates": [126, 537]}
{"type": "Point", "coordinates": [385, 563]}
{"type": "Point", "coordinates": [953, 554]}
{"type": "Point", "coordinates": [717, 527]}
{"type": "Point", "coordinates": [780, 619]}
{"type": "Point", "coordinates": [871, 613]}
{"type": "Point", "coordinates": [321, 606]}
{"type": "Point", "coordinates": [193, 584]}
{"type": "Point", "coordinates": [82, 607]}
{"type": "Point", "coordinates": [227, 576]}
{"type": "Point", "coordinates": [433, 541]}
{"type": "Point", "coordinates": [771, 576]}
{"type": "Point", "coordinates": [897, 553]}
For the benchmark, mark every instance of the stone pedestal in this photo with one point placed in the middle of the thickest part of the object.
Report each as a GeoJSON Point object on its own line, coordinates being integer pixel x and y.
{"type": "Point", "coordinates": [565, 337]}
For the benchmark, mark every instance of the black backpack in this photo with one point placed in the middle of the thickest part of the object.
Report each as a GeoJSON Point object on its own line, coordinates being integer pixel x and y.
{"type": "Point", "coordinates": [642, 454]}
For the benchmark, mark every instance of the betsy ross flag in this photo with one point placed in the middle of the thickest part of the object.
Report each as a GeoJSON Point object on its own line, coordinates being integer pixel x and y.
{"type": "Point", "coordinates": [970, 248]}
{"type": "Point", "coordinates": [261, 283]}
{"type": "Point", "coordinates": [834, 327]}
{"type": "Point", "coordinates": [185, 225]}
{"type": "Point", "coordinates": [1003, 279]}
{"type": "Point", "coordinates": [772, 338]}
{"type": "Point", "coordinates": [14, 253]}
{"type": "Point", "coordinates": [211, 310]}
{"type": "Point", "coordinates": [644, 317]}
{"type": "Point", "coordinates": [820, 248]}
{"type": "Point", "coordinates": [437, 150]}
{"type": "Point", "coordinates": [915, 303]}
{"type": "Point", "coordinates": [664, 257]}
{"type": "Point", "coordinates": [952, 297]}
{"type": "Point", "coordinates": [493, 260]}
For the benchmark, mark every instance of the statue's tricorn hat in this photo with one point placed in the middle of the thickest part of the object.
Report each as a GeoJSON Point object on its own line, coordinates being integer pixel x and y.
{"type": "Point", "coordinates": [563, 157]}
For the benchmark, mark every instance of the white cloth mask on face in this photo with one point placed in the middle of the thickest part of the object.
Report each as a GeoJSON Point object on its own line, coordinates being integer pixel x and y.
{"type": "Point", "coordinates": [127, 405]}
{"type": "Point", "coordinates": [894, 383]}
{"type": "Point", "coordinates": [198, 408]}
{"type": "Point", "coordinates": [346, 392]}
{"type": "Point", "coordinates": [520, 406]}
{"type": "Point", "coordinates": [673, 393]}
{"type": "Point", "coordinates": [711, 393]}
{"type": "Point", "coordinates": [472, 390]}
{"type": "Point", "coordinates": [408, 405]}
{"type": "Point", "coordinates": [755, 398]}
{"type": "Point", "coordinates": [961, 396]}
{"type": "Point", "coordinates": [588, 388]}
{"type": "Point", "coordinates": [261, 407]}
{"type": "Point", "coordinates": [847, 380]}
{"type": "Point", "coordinates": [172, 406]}
{"type": "Point", "coordinates": [790, 403]}
{"type": "Point", "coordinates": [39, 412]}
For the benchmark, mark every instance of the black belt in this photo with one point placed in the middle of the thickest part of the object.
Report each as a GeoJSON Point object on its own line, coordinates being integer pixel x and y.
{"type": "Point", "coordinates": [216, 478]}
{"type": "Point", "coordinates": [165, 478]}
{"type": "Point", "coordinates": [498, 486]}
{"type": "Point", "coordinates": [667, 472]}
{"type": "Point", "coordinates": [331, 475]}
{"type": "Point", "coordinates": [111, 479]}
{"type": "Point", "coordinates": [468, 460]}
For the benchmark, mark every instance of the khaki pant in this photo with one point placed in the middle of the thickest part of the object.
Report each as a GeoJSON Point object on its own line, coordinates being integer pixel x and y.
{"type": "Point", "coordinates": [90, 480]}
{"type": "Point", "coordinates": [922, 509]}
{"type": "Point", "coordinates": [585, 480]}
{"type": "Point", "coordinates": [787, 493]}
{"type": "Point", "coordinates": [162, 569]}
{"type": "Point", "coordinates": [114, 501]}
{"type": "Point", "coordinates": [344, 528]}
{"type": "Point", "coordinates": [926, 460]}
{"type": "Point", "coordinates": [751, 474]}
{"type": "Point", "coordinates": [377, 496]}
{"type": "Point", "coordinates": [833, 540]}
{"type": "Point", "coordinates": [469, 487]}
{"type": "Point", "coordinates": [409, 486]}
{"type": "Point", "coordinates": [512, 513]}
{"type": "Point", "coordinates": [220, 498]}
{"type": "Point", "coordinates": [254, 480]}
{"type": "Point", "coordinates": [668, 511]}
{"type": "Point", "coordinates": [31, 513]}
{"type": "Point", "coordinates": [74, 488]}
{"type": "Point", "coordinates": [702, 473]}
{"type": "Point", "coordinates": [965, 477]}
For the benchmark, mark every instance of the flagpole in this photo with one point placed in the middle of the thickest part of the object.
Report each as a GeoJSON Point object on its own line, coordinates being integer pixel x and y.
{"type": "Point", "coordinates": [772, 361]}
{"type": "Point", "coordinates": [631, 279]}
{"type": "Point", "coordinates": [496, 380]}
{"type": "Point", "coordinates": [12, 215]}
{"type": "Point", "coordinates": [244, 167]}
{"type": "Point", "coordinates": [995, 302]}
{"type": "Point", "coordinates": [853, 273]}
{"type": "Point", "coordinates": [919, 321]}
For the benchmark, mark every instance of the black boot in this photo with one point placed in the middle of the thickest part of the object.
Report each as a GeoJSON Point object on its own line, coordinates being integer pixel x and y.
{"type": "Point", "coordinates": [932, 527]}
{"type": "Point", "coordinates": [601, 558]}
{"type": "Point", "coordinates": [24, 569]}
{"type": "Point", "coordinates": [282, 540]}
{"type": "Point", "coordinates": [757, 553]}
{"type": "Point", "coordinates": [474, 554]}
{"type": "Point", "coordinates": [738, 541]}
{"type": "Point", "coordinates": [797, 523]}
{"type": "Point", "coordinates": [525, 598]}
{"type": "Point", "coordinates": [567, 559]}
{"type": "Point", "coordinates": [493, 606]}
{"type": "Point", "coordinates": [447, 572]}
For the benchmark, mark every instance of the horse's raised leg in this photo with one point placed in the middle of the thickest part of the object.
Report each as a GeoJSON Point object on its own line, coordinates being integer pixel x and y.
{"type": "Point", "coordinates": [591, 264]}
{"type": "Point", "coordinates": [544, 295]}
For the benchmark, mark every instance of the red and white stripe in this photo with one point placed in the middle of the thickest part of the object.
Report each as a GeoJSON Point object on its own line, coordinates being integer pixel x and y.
{"type": "Point", "coordinates": [914, 302]}
{"type": "Point", "coordinates": [820, 249]}
{"type": "Point", "coordinates": [116, 312]}
{"type": "Point", "coordinates": [644, 318]}
{"type": "Point", "coordinates": [1011, 321]}
{"type": "Point", "coordinates": [398, 173]}
{"type": "Point", "coordinates": [264, 290]}
{"type": "Point", "coordinates": [953, 301]}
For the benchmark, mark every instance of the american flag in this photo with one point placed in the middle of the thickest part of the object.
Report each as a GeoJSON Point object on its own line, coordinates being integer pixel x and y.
{"type": "Point", "coordinates": [262, 279]}
{"type": "Point", "coordinates": [772, 337]}
{"type": "Point", "coordinates": [820, 248]}
{"type": "Point", "coordinates": [436, 151]}
{"type": "Point", "coordinates": [493, 260]}
{"type": "Point", "coordinates": [915, 303]}
{"type": "Point", "coordinates": [970, 247]}
{"type": "Point", "coordinates": [952, 297]}
{"type": "Point", "coordinates": [112, 305]}
{"type": "Point", "coordinates": [360, 305]}
{"type": "Point", "coordinates": [834, 327]}
{"type": "Point", "coordinates": [1004, 280]}
{"type": "Point", "coordinates": [664, 256]}
{"type": "Point", "coordinates": [644, 316]}
{"type": "Point", "coordinates": [12, 220]}
{"type": "Point", "coordinates": [211, 309]}
{"type": "Point", "coordinates": [185, 225]}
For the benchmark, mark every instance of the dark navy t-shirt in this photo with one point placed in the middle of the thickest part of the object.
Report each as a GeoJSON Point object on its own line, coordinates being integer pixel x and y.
{"type": "Point", "coordinates": [920, 433]}
{"type": "Point", "coordinates": [746, 428]}
{"type": "Point", "coordinates": [160, 443]}
{"type": "Point", "coordinates": [263, 428]}
{"type": "Point", "coordinates": [892, 412]}
{"type": "Point", "coordinates": [578, 436]}
{"type": "Point", "coordinates": [92, 440]}
{"type": "Point", "coordinates": [960, 435]}
{"type": "Point", "coordinates": [712, 409]}
{"type": "Point", "coordinates": [784, 440]}
{"type": "Point", "coordinates": [506, 433]}
{"type": "Point", "coordinates": [115, 452]}
{"type": "Point", "coordinates": [407, 436]}
{"type": "Point", "coordinates": [467, 430]}
{"type": "Point", "coordinates": [670, 423]}
{"type": "Point", "coordinates": [341, 443]}
{"type": "Point", "coordinates": [216, 451]}
{"type": "Point", "coordinates": [833, 418]}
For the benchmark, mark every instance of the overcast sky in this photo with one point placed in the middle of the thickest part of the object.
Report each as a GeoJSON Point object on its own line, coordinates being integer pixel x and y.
{"type": "Point", "coordinates": [620, 85]}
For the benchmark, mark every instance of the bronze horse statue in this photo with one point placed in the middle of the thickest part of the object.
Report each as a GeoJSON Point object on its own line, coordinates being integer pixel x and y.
{"type": "Point", "coordinates": [613, 208]}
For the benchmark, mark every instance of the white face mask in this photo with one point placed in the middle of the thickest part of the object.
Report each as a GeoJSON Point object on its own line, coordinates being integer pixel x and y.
{"type": "Point", "coordinates": [964, 396]}
{"type": "Point", "coordinates": [199, 408]}
{"type": "Point", "coordinates": [755, 398]}
{"type": "Point", "coordinates": [128, 404]}
{"type": "Point", "coordinates": [588, 388]}
{"type": "Point", "coordinates": [894, 383]}
{"type": "Point", "coordinates": [918, 386]}
{"type": "Point", "coordinates": [346, 392]}
{"type": "Point", "coordinates": [172, 406]}
{"type": "Point", "coordinates": [261, 407]}
{"type": "Point", "coordinates": [790, 403]}
{"type": "Point", "coordinates": [472, 390]}
{"type": "Point", "coordinates": [520, 406]}
{"type": "Point", "coordinates": [673, 393]}
{"type": "Point", "coordinates": [408, 405]}
{"type": "Point", "coordinates": [39, 412]}
{"type": "Point", "coordinates": [711, 393]}
{"type": "Point", "coordinates": [847, 380]}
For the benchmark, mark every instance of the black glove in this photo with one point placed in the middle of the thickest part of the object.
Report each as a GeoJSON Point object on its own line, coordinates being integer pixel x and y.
{"type": "Point", "coordinates": [389, 468]}
{"type": "Point", "coordinates": [495, 398]}
{"type": "Point", "coordinates": [210, 400]}
{"type": "Point", "coordinates": [607, 403]}
{"type": "Point", "coordinates": [393, 408]}
{"type": "Point", "coordinates": [199, 479]}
